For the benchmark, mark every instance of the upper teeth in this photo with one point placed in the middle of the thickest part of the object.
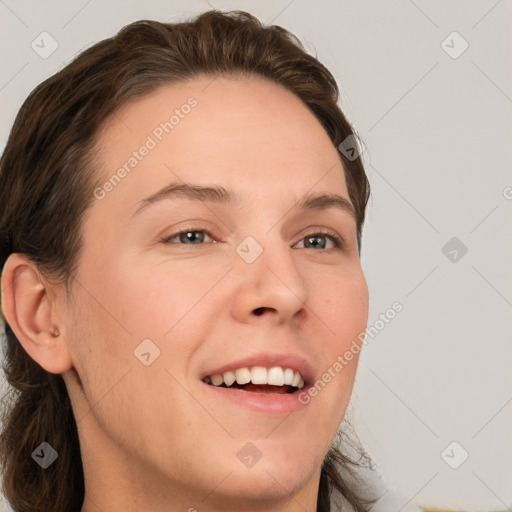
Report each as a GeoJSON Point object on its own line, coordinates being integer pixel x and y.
{"type": "Point", "coordinates": [275, 376]}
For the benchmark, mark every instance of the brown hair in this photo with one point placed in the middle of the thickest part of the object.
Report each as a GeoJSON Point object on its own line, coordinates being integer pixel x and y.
{"type": "Point", "coordinates": [47, 176]}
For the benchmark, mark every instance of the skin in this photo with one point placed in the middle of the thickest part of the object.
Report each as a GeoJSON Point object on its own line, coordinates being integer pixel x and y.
{"type": "Point", "coordinates": [149, 438]}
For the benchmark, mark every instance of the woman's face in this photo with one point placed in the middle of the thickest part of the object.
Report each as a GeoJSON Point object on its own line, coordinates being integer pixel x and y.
{"type": "Point", "coordinates": [257, 279]}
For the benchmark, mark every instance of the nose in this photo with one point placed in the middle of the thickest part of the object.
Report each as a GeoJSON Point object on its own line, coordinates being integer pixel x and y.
{"type": "Point", "coordinates": [271, 288]}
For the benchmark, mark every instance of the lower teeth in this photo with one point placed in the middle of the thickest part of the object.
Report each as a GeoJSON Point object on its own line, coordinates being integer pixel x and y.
{"type": "Point", "coordinates": [291, 389]}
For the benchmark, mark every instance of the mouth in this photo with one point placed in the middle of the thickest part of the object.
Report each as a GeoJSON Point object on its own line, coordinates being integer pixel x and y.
{"type": "Point", "coordinates": [258, 379]}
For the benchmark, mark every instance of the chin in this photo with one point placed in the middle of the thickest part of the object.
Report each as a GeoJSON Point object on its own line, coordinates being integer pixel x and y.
{"type": "Point", "coordinates": [274, 476]}
{"type": "Point", "coordinates": [259, 487]}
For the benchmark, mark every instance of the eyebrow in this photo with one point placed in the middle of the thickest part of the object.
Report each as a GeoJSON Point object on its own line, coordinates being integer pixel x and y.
{"type": "Point", "coordinates": [219, 195]}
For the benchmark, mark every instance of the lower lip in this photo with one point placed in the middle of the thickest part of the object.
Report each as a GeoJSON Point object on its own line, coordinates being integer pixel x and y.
{"type": "Point", "coordinates": [269, 403]}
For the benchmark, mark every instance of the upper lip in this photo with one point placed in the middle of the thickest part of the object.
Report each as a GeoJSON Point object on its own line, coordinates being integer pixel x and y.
{"type": "Point", "coordinates": [268, 360]}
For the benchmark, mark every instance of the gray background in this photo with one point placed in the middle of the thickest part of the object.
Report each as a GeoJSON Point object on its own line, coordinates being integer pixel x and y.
{"type": "Point", "coordinates": [438, 137]}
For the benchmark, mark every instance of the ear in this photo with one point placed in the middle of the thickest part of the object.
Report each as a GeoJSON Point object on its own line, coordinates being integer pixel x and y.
{"type": "Point", "coordinates": [30, 307]}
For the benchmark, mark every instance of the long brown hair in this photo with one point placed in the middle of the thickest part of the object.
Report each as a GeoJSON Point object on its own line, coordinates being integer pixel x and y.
{"type": "Point", "coordinates": [47, 176]}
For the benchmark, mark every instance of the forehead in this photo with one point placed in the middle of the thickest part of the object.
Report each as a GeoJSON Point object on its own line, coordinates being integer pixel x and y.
{"type": "Point", "coordinates": [237, 131]}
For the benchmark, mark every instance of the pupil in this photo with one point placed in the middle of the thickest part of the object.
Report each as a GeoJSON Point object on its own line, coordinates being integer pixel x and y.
{"type": "Point", "coordinates": [192, 236]}
{"type": "Point", "coordinates": [310, 241]}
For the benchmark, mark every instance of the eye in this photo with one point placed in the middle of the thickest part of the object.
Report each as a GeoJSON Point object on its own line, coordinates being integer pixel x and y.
{"type": "Point", "coordinates": [317, 240]}
{"type": "Point", "coordinates": [187, 237]}
{"type": "Point", "coordinates": [320, 240]}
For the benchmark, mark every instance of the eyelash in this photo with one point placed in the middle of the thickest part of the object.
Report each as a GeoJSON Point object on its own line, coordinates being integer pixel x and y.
{"type": "Point", "coordinates": [335, 238]}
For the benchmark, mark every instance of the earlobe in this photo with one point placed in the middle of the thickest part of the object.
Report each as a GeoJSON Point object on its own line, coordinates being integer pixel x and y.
{"type": "Point", "coordinates": [28, 309]}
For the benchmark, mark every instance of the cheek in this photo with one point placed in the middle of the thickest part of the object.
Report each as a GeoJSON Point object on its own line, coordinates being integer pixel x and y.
{"type": "Point", "coordinates": [101, 345]}
{"type": "Point", "coordinates": [343, 314]}
{"type": "Point", "coordinates": [157, 302]}
{"type": "Point", "coordinates": [343, 307]}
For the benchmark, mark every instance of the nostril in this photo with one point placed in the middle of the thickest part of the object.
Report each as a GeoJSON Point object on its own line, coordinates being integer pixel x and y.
{"type": "Point", "coordinates": [260, 311]}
